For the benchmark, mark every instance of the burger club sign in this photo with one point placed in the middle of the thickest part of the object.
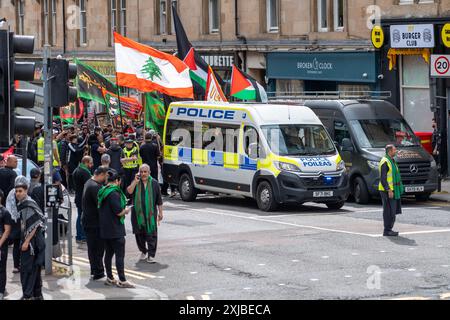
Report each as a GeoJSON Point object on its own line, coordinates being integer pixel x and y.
{"type": "Point", "coordinates": [412, 36]}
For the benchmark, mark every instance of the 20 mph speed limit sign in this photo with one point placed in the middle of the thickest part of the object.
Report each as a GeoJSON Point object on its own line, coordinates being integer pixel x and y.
{"type": "Point", "coordinates": [440, 65]}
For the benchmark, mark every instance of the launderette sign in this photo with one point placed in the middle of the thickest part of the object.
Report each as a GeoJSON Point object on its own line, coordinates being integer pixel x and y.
{"type": "Point", "coordinates": [412, 36]}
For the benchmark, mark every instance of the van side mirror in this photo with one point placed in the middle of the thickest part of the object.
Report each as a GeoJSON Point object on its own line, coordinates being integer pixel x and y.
{"type": "Point", "coordinates": [347, 145]}
{"type": "Point", "coordinates": [253, 150]}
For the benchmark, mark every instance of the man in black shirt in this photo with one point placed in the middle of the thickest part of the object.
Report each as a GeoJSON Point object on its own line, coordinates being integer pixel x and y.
{"type": "Point", "coordinates": [150, 154]}
{"type": "Point", "coordinates": [115, 152]}
{"type": "Point", "coordinates": [112, 210]}
{"type": "Point", "coordinates": [91, 224]}
{"type": "Point", "coordinates": [5, 229]}
{"type": "Point", "coordinates": [80, 176]}
{"type": "Point", "coordinates": [8, 176]}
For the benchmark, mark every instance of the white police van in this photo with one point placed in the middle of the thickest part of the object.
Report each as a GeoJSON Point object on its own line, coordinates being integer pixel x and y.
{"type": "Point", "coordinates": [272, 153]}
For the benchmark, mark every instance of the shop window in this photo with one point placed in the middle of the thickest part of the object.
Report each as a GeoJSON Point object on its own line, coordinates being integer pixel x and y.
{"type": "Point", "coordinates": [415, 92]}
{"type": "Point", "coordinates": [272, 7]}
{"type": "Point", "coordinates": [338, 15]}
{"type": "Point", "coordinates": [322, 15]}
{"type": "Point", "coordinates": [289, 86]}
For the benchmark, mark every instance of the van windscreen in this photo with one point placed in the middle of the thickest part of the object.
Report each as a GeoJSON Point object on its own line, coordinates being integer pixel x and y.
{"type": "Point", "coordinates": [377, 133]}
{"type": "Point", "coordinates": [298, 140]}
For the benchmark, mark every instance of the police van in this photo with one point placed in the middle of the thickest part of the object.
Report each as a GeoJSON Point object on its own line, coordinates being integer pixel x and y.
{"type": "Point", "coordinates": [271, 153]}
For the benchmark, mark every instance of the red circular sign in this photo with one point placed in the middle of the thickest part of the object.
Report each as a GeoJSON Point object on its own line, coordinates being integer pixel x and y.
{"type": "Point", "coordinates": [441, 65]}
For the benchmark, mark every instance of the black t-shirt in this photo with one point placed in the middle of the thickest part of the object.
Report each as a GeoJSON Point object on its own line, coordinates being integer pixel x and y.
{"type": "Point", "coordinates": [80, 177]}
{"type": "Point", "coordinates": [110, 225]}
{"type": "Point", "coordinates": [5, 219]}
{"type": "Point", "coordinates": [7, 179]}
{"type": "Point", "coordinates": [149, 153]}
{"type": "Point", "coordinates": [90, 218]}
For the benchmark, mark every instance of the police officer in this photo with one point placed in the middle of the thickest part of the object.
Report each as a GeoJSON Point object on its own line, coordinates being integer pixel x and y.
{"type": "Point", "coordinates": [40, 150]}
{"type": "Point", "coordinates": [130, 162]}
{"type": "Point", "coordinates": [391, 189]}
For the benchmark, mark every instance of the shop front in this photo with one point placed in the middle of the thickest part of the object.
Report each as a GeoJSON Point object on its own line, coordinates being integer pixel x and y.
{"type": "Point", "coordinates": [299, 72]}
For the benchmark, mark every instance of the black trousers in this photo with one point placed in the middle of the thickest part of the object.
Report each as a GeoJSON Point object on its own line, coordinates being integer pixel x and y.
{"type": "Point", "coordinates": [147, 244]}
{"type": "Point", "coordinates": [391, 207]}
{"type": "Point", "coordinates": [16, 253]}
{"type": "Point", "coordinates": [30, 276]}
{"type": "Point", "coordinates": [96, 251]}
{"type": "Point", "coordinates": [115, 247]}
{"type": "Point", "coordinates": [3, 261]}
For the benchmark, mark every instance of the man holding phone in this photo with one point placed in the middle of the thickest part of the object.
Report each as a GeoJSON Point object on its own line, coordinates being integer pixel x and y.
{"type": "Point", "coordinates": [146, 213]}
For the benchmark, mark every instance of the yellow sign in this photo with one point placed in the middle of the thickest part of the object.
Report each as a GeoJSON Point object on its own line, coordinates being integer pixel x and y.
{"type": "Point", "coordinates": [445, 35]}
{"type": "Point", "coordinates": [377, 37]}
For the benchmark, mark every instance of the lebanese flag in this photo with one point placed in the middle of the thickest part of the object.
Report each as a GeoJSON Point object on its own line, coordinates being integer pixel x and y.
{"type": "Point", "coordinates": [245, 87]}
{"type": "Point", "coordinates": [146, 69]}
{"type": "Point", "coordinates": [213, 90]}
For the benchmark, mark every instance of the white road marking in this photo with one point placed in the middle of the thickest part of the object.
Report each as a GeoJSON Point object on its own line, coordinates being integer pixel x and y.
{"type": "Point", "coordinates": [227, 269]}
{"type": "Point", "coordinates": [113, 269]}
{"type": "Point", "coordinates": [382, 251]}
{"type": "Point", "coordinates": [411, 269]}
{"type": "Point", "coordinates": [281, 284]}
{"type": "Point", "coordinates": [313, 279]}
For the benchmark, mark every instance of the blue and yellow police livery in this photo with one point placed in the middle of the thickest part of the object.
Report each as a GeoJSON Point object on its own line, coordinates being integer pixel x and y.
{"type": "Point", "coordinates": [272, 153]}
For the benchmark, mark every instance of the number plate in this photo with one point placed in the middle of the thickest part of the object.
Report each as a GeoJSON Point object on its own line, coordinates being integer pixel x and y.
{"type": "Point", "coordinates": [321, 194]}
{"type": "Point", "coordinates": [414, 189]}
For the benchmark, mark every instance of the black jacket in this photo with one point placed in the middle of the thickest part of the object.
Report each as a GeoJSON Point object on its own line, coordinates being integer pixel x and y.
{"type": "Point", "coordinates": [80, 177]}
{"type": "Point", "coordinates": [89, 218]}
{"type": "Point", "coordinates": [115, 153]}
{"type": "Point", "coordinates": [7, 179]}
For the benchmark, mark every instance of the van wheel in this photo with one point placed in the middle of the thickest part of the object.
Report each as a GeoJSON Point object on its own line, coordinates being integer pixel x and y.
{"type": "Point", "coordinates": [335, 205]}
{"type": "Point", "coordinates": [186, 188]}
{"type": "Point", "coordinates": [360, 192]}
{"type": "Point", "coordinates": [423, 197]}
{"type": "Point", "coordinates": [265, 198]}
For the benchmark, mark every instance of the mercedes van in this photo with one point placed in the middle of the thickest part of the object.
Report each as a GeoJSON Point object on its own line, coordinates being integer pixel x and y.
{"type": "Point", "coordinates": [362, 129]}
{"type": "Point", "coordinates": [271, 153]}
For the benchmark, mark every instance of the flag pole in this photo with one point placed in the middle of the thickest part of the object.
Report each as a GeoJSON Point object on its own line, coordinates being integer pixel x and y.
{"type": "Point", "coordinates": [118, 95]}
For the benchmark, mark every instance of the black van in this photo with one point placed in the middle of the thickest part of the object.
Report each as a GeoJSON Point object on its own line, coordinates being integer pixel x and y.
{"type": "Point", "coordinates": [362, 128]}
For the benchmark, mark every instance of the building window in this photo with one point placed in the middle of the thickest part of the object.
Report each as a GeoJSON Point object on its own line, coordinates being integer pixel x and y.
{"type": "Point", "coordinates": [113, 17]}
{"type": "Point", "coordinates": [406, 2]}
{"type": "Point", "coordinates": [173, 3]}
{"type": "Point", "coordinates": [338, 15]}
{"type": "Point", "coordinates": [21, 17]}
{"type": "Point", "coordinates": [45, 21]}
{"type": "Point", "coordinates": [272, 15]}
{"type": "Point", "coordinates": [83, 22]}
{"type": "Point", "coordinates": [322, 18]}
{"type": "Point", "coordinates": [162, 16]}
{"type": "Point", "coordinates": [214, 16]}
{"type": "Point", "coordinates": [123, 17]}
{"type": "Point", "coordinates": [53, 17]}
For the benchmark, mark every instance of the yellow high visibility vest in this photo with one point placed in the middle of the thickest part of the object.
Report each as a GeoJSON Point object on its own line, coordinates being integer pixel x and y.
{"type": "Point", "coordinates": [40, 149]}
{"type": "Point", "coordinates": [130, 164]}
{"type": "Point", "coordinates": [55, 148]}
{"type": "Point", "coordinates": [390, 179]}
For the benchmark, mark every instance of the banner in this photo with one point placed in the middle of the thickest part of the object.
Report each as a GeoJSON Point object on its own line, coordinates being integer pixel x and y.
{"type": "Point", "coordinates": [72, 112]}
{"type": "Point", "coordinates": [155, 112]}
{"type": "Point", "coordinates": [131, 108]}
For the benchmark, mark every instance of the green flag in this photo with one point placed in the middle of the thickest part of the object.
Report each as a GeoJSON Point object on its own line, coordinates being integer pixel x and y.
{"type": "Point", "coordinates": [155, 112]}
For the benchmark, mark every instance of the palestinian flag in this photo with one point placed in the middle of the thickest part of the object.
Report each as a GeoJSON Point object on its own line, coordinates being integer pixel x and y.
{"type": "Point", "coordinates": [155, 112]}
{"type": "Point", "coordinates": [245, 87]}
{"type": "Point", "coordinates": [213, 91]}
{"type": "Point", "coordinates": [129, 107]}
{"type": "Point", "coordinates": [71, 113]}
{"type": "Point", "coordinates": [146, 69]}
{"type": "Point", "coordinates": [198, 66]}
{"type": "Point", "coordinates": [90, 83]}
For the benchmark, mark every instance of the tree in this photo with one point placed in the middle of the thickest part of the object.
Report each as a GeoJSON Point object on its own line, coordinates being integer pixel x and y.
{"type": "Point", "coordinates": [151, 69]}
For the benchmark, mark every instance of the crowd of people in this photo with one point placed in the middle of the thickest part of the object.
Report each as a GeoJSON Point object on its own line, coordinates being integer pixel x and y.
{"type": "Point", "coordinates": [111, 173]}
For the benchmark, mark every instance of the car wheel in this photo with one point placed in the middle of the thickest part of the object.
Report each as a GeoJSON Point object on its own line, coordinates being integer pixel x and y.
{"type": "Point", "coordinates": [265, 197]}
{"type": "Point", "coordinates": [360, 192]}
{"type": "Point", "coordinates": [186, 188]}
{"type": "Point", "coordinates": [335, 205]}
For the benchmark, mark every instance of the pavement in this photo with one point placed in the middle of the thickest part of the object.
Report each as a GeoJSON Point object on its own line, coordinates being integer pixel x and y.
{"type": "Point", "coordinates": [444, 194]}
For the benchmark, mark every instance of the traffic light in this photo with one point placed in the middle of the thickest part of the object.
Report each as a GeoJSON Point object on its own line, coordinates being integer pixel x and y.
{"type": "Point", "coordinates": [60, 73]}
{"type": "Point", "coordinates": [10, 97]}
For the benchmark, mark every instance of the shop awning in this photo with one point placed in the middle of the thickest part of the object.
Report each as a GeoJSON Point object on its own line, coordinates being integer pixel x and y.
{"type": "Point", "coordinates": [393, 53]}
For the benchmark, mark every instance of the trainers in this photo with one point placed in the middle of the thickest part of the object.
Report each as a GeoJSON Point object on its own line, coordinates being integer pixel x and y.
{"type": "Point", "coordinates": [125, 284]}
{"type": "Point", "coordinates": [151, 260]}
{"type": "Point", "coordinates": [110, 282]}
{"type": "Point", "coordinates": [143, 256]}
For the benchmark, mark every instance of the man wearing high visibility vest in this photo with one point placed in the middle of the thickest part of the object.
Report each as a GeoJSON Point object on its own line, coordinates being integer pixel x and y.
{"type": "Point", "coordinates": [130, 162]}
{"type": "Point", "coordinates": [391, 190]}
{"type": "Point", "coordinates": [40, 151]}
